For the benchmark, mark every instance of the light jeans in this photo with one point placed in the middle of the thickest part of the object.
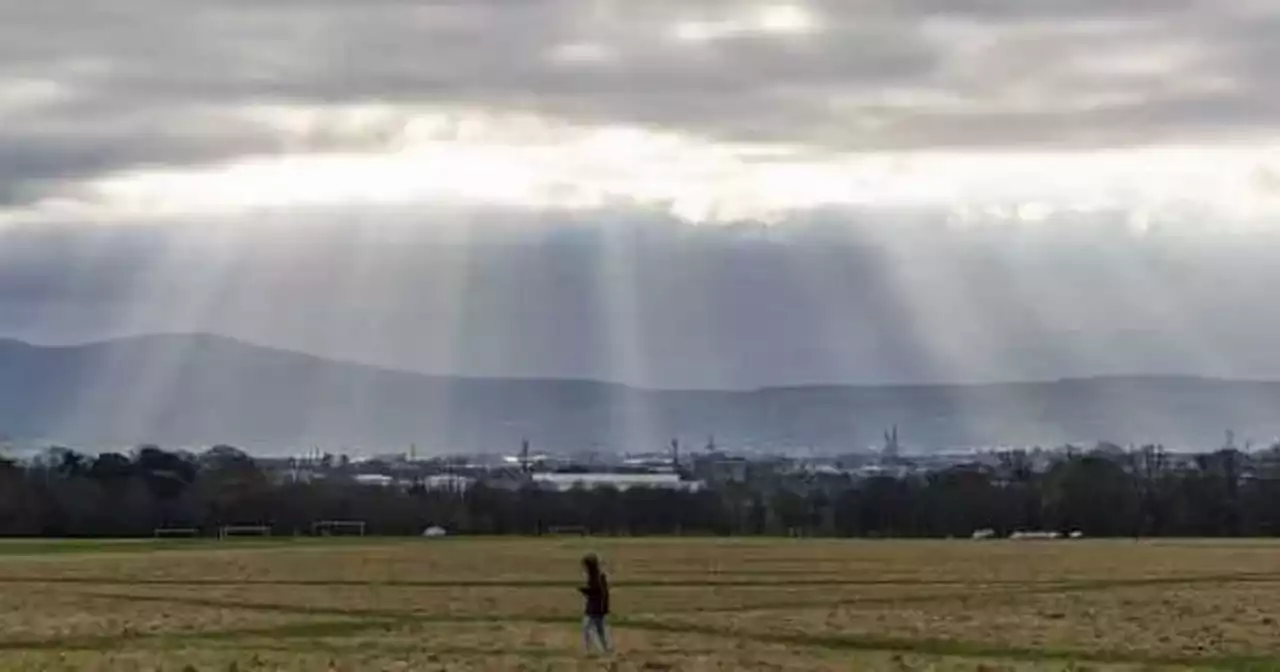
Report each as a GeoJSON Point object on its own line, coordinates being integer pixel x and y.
{"type": "Point", "coordinates": [594, 633]}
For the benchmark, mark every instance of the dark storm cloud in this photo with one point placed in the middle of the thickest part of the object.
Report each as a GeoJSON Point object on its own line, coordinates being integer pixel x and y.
{"type": "Point", "coordinates": [35, 161]}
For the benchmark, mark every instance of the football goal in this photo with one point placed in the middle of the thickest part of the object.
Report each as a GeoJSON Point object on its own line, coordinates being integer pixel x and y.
{"type": "Point", "coordinates": [229, 531]}
{"type": "Point", "coordinates": [329, 528]}
{"type": "Point", "coordinates": [175, 532]}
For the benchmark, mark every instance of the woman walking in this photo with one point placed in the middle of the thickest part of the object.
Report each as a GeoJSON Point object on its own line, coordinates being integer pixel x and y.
{"type": "Point", "coordinates": [596, 595]}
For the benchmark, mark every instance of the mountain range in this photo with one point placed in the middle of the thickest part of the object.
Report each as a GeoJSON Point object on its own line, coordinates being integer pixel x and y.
{"type": "Point", "coordinates": [199, 390]}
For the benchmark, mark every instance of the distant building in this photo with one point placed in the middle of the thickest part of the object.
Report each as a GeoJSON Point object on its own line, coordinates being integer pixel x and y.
{"type": "Point", "coordinates": [656, 463]}
{"type": "Point", "coordinates": [448, 482]}
{"type": "Point", "coordinates": [535, 461]}
{"type": "Point", "coordinates": [379, 480]}
{"type": "Point", "coordinates": [564, 482]}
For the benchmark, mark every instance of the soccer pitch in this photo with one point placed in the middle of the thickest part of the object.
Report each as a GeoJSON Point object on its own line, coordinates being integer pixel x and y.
{"type": "Point", "coordinates": [678, 604]}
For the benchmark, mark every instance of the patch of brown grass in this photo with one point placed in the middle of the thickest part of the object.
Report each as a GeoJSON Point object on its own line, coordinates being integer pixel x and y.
{"type": "Point", "coordinates": [680, 604]}
{"type": "Point", "coordinates": [43, 613]}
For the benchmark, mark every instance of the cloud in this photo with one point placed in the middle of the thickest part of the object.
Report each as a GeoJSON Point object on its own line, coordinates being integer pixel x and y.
{"type": "Point", "coordinates": [162, 84]}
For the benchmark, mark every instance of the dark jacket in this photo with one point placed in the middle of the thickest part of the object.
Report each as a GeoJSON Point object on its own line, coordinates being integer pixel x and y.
{"type": "Point", "coordinates": [596, 593]}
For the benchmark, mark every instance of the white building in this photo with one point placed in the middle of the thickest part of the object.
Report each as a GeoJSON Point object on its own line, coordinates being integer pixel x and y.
{"type": "Point", "coordinates": [448, 482]}
{"type": "Point", "coordinates": [378, 480]}
{"type": "Point", "coordinates": [563, 482]}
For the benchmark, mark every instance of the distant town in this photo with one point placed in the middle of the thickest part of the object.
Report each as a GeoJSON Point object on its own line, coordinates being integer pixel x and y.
{"type": "Point", "coordinates": [1103, 489]}
{"type": "Point", "coordinates": [679, 467]}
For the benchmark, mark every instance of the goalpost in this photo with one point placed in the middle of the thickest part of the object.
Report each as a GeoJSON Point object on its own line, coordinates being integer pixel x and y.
{"type": "Point", "coordinates": [175, 532]}
{"type": "Point", "coordinates": [326, 528]}
{"type": "Point", "coordinates": [229, 531]}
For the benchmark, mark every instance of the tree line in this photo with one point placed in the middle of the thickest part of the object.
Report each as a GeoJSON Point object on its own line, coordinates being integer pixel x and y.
{"type": "Point", "coordinates": [1103, 492]}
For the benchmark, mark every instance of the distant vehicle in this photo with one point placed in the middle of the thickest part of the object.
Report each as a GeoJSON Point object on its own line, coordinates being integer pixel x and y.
{"type": "Point", "coordinates": [434, 531]}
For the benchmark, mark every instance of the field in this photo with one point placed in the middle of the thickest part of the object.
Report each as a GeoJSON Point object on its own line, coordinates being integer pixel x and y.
{"type": "Point", "coordinates": [461, 604]}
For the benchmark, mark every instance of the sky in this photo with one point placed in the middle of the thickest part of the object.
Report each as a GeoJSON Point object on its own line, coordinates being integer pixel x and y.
{"type": "Point", "coordinates": [703, 193]}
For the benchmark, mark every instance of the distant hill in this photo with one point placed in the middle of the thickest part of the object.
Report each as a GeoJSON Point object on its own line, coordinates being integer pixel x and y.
{"type": "Point", "coordinates": [199, 390]}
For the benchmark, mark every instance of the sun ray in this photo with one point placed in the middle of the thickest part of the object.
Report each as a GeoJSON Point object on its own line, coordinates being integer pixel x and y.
{"type": "Point", "coordinates": [139, 410]}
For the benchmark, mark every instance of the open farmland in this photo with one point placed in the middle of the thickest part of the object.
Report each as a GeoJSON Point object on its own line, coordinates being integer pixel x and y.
{"type": "Point", "coordinates": [679, 604]}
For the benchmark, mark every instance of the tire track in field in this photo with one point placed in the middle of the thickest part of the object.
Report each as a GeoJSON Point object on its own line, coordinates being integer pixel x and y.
{"type": "Point", "coordinates": [384, 618]}
{"type": "Point", "coordinates": [965, 649]}
{"type": "Point", "coordinates": [1003, 592]}
{"type": "Point", "coordinates": [1015, 586]}
{"type": "Point", "coordinates": [481, 583]}
{"type": "Point", "coordinates": [728, 581]}
{"type": "Point", "coordinates": [1006, 591]}
{"type": "Point", "coordinates": [109, 641]}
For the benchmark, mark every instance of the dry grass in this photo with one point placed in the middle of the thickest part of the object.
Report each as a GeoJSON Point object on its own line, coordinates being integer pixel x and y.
{"type": "Point", "coordinates": [50, 612]}
{"type": "Point", "coordinates": [680, 605]}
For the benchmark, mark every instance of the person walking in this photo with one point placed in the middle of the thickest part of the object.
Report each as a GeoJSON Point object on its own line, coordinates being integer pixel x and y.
{"type": "Point", "coordinates": [596, 595]}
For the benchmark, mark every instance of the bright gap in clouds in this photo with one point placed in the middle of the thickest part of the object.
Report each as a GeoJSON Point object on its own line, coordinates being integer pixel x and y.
{"type": "Point", "coordinates": [786, 19]}
{"type": "Point", "coordinates": [386, 156]}
{"type": "Point", "coordinates": [769, 20]}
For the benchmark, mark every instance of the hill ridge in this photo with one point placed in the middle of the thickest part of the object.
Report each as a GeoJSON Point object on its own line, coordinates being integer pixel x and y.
{"type": "Point", "coordinates": [239, 342]}
{"type": "Point", "coordinates": [203, 389]}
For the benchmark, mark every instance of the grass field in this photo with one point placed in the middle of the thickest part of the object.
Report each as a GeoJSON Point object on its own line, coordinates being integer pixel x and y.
{"type": "Point", "coordinates": [679, 605]}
